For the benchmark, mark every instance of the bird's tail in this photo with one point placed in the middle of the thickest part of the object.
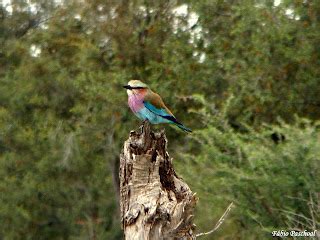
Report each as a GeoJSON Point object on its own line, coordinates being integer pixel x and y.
{"type": "Point", "coordinates": [184, 128]}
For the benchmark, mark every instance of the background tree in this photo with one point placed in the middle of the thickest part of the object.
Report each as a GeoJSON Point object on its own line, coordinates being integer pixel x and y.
{"type": "Point", "coordinates": [243, 74]}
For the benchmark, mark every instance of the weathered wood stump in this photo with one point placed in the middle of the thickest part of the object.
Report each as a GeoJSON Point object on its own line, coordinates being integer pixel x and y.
{"type": "Point", "coordinates": [155, 203]}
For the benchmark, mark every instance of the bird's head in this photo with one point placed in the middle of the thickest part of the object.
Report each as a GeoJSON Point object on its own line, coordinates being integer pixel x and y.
{"type": "Point", "coordinates": [136, 87]}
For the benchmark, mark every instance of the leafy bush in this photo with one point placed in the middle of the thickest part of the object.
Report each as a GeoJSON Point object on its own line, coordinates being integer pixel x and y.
{"type": "Point", "coordinates": [271, 174]}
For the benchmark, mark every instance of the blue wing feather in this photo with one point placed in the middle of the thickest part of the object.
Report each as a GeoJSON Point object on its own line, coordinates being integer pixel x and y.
{"type": "Point", "coordinates": [165, 115]}
{"type": "Point", "coordinates": [161, 112]}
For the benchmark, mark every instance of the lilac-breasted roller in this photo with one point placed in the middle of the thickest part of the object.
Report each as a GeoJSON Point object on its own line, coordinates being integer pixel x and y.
{"type": "Point", "coordinates": [147, 105]}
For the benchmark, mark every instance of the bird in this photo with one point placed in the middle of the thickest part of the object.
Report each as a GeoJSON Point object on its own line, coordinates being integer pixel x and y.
{"type": "Point", "coordinates": [148, 105]}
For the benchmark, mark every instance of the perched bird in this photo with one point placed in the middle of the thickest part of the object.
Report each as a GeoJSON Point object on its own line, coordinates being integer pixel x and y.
{"type": "Point", "coordinates": [147, 105]}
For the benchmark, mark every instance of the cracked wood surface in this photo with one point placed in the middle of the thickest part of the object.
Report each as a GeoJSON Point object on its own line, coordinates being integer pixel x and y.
{"type": "Point", "coordinates": [154, 202]}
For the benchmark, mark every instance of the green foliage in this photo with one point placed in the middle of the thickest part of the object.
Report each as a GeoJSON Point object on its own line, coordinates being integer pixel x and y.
{"type": "Point", "coordinates": [271, 175]}
{"type": "Point", "coordinates": [230, 74]}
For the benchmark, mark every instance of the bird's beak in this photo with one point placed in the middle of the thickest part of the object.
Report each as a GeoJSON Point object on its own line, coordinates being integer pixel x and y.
{"type": "Point", "coordinates": [127, 87]}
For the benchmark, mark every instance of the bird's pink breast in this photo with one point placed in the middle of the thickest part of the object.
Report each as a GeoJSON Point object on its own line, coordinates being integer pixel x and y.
{"type": "Point", "coordinates": [135, 102]}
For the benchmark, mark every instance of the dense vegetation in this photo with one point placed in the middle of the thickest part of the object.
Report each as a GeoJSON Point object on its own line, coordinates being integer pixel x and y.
{"type": "Point", "coordinates": [245, 75]}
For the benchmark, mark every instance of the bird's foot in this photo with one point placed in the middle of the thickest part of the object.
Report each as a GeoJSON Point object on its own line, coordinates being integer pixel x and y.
{"type": "Point", "coordinates": [145, 127]}
{"type": "Point", "coordinates": [145, 121]}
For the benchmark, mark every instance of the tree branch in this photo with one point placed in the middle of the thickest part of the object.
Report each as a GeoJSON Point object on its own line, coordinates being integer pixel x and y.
{"type": "Point", "coordinates": [218, 224]}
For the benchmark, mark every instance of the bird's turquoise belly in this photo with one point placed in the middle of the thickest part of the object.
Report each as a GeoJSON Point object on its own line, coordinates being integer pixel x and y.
{"type": "Point", "coordinates": [146, 114]}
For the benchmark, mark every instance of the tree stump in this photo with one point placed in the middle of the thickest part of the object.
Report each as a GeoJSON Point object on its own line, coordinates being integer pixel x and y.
{"type": "Point", "coordinates": [154, 202]}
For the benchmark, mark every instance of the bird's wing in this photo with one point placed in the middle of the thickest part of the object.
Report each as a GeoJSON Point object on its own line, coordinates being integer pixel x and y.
{"type": "Point", "coordinates": [155, 104]}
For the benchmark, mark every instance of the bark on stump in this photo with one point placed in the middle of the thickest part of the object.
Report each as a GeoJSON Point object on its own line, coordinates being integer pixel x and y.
{"type": "Point", "coordinates": [155, 203]}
